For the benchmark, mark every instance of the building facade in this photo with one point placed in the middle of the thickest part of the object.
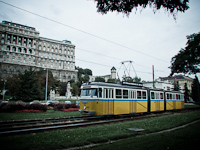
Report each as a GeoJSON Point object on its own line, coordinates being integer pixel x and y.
{"type": "Point", "coordinates": [105, 77]}
{"type": "Point", "coordinates": [181, 80]}
{"type": "Point", "coordinates": [160, 85]}
{"type": "Point", "coordinates": [21, 47]}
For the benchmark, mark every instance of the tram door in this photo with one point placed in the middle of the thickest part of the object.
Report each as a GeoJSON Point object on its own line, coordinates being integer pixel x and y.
{"type": "Point", "coordinates": [174, 101]}
{"type": "Point", "coordinates": [108, 107]}
{"type": "Point", "coordinates": [157, 103]}
{"type": "Point", "coordinates": [133, 102]}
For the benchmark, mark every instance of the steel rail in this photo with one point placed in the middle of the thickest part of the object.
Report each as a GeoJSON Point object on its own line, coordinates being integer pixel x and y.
{"type": "Point", "coordinates": [89, 122]}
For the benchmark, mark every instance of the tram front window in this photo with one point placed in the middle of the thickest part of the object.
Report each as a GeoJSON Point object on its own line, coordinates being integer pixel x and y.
{"type": "Point", "coordinates": [89, 92]}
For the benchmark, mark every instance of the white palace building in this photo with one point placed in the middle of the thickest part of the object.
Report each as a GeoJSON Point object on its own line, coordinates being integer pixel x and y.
{"type": "Point", "coordinates": [21, 48]}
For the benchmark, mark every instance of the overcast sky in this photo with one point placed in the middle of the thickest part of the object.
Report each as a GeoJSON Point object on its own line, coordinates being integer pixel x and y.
{"type": "Point", "coordinates": [103, 41]}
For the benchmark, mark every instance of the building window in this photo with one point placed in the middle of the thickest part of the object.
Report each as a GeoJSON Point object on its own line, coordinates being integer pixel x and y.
{"type": "Point", "coordinates": [14, 49]}
{"type": "Point", "coordinates": [19, 50]}
{"type": "Point", "coordinates": [2, 41]}
{"type": "Point", "coordinates": [30, 51]}
{"type": "Point", "coordinates": [8, 48]}
{"type": "Point", "coordinates": [24, 50]}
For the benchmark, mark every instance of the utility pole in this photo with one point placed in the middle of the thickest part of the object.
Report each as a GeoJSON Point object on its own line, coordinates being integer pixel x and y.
{"type": "Point", "coordinates": [153, 76]}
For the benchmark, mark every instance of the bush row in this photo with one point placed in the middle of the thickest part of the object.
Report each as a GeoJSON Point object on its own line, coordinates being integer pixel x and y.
{"type": "Point", "coordinates": [13, 107]}
{"type": "Point", "coordinates": [61, 106]}
{"type": "Point", "coordinates": [18, 106]}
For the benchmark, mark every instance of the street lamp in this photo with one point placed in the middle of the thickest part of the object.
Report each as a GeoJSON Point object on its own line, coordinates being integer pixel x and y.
{"type": "Point", "coordinates": [4, 89]}
{"type": "Point", "coordinates": [46, 86]}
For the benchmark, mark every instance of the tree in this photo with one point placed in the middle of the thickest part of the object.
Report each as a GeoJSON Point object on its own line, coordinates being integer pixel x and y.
{"type": "Point", "coordinates": [126, 6]}
{"type": "Point", "coordinates": [12, 84]}
{"type": "Point", "coordinates": [111, 81]}
{"type": "Point", "coordinates": [83, 74]}
{"type": "Point", "coordinates": [87, 71]}
{"type": "Point", "coordinates": [99, 79]}
{"type": "Point", "coordinates": [75, 88]}
{"type": "Point", "coordinates": [137, 79]}
{"type": "Point", "coordinates": [176, 86]}
{"type": "Point", "coordinates": [128, 79]}
{"type": "Point", "coordinates": [196, 90]}
{"type": "Point", "coordinates": [186, 93]}
{"type": "Point", "coordinates": [29, 87]}
{"type": "Point", "coordinates": [188, 59]}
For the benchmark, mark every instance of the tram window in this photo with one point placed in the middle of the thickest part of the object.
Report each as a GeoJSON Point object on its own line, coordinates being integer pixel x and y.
{"type": "Point", "coordinates": [106, 93]}
{"type": "Point", "coordinates": [134, 94]}
{"type": "Point", "coordinates": [161, 96]}
{"type": "Point", "coordinates": [174, 96]}
{"type": "Point", "coordinates": [130, 94]}
{"type": "Point", "coordinates": [182, 97]}
{"type": "Point", "coordinates": [139, 94]}
{"type": "Point", "coordinates": [100, 92]}
{"type": "Point", "coordinates": [167, 96]}
{"type": "Point", "coordinates": [111, 93]}
{"type": "Point", "coordinates": [170, 96]}
{"type": "Point", "coordinates": [118, 93]}
{"type": "Point", "coordinates": [157, 96]}
{"type": "Point", "coordinates": [178, 96]}
{"type": "Point", "coordinates": [89, 92]}
{"type": "Point", "coordinates": [152, 95]}
{"type": "Point", "coordinates": [144, 95]}
{"type": "Point", "coordinates": [125, 94]}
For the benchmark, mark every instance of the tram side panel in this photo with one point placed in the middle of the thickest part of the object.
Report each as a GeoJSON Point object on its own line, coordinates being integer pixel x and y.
{"type": "Point", "coordinates": [87, 106]}
{"type": "Point", "coordinates": [157, 102]}
{"type": "Point", "coordinates": [138, 102]}
{"type": "Point", "coordinates": [174, 101]}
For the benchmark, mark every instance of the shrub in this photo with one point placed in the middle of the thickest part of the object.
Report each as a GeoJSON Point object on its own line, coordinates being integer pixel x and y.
{"type": "Point", "coordinates": [59, 106]}
{"type": "Point", "coordinates": [37, 106]}
{"type": "Point", "coordinates": [18, 106]}
{"type": "Point", "coordinates": [11, 107]}
{"type": "Point", "coordinates": [62, 106]}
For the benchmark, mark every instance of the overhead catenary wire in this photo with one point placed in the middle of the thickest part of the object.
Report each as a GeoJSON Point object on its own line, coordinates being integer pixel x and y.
{"type": "Point", "coordinates": [93, 36]}
{"type": "Point", "coordinates": [104, 39]}
{"type": "Point", "coordinates": [117, 59]}
{"type": "Point", "coordinates": [111, 66]}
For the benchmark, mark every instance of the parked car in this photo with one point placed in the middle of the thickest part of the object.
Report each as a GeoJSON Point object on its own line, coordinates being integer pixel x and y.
{"type": "Point", "coordinates": [52, 102]}
{"type": "Point", "coordinates": [35, 102]}
{"type": "Point", "coordinates": [4, 102]}
{"type": "Point", "coordinates": [67, 102]}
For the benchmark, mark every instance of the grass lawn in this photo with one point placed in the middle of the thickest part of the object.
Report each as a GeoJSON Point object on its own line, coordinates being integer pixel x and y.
{"type": "Point", "coordinates": [192, 105]}
{"type": "Point", "coordinates": [187, 138]}
{"type": "Point", "coordinates": [60, 139]}
{"type": "Point", "coordinates": [48, 114]}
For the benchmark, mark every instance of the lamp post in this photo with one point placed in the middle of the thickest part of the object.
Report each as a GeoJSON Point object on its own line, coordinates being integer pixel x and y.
{"type": "Point", "coordinates": [4, 89]}
{"type": "Point", "coordinates": [46, 86]}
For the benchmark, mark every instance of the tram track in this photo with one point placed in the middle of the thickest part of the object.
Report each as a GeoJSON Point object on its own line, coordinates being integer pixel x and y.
{"type": "Point", "coordinates": [30, 126]}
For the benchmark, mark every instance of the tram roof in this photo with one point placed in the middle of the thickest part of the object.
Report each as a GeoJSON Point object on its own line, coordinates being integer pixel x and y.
{"type": "Point", "coordinates": [87, 85]}
{"type": "Point", "coordinates": [113, 85]}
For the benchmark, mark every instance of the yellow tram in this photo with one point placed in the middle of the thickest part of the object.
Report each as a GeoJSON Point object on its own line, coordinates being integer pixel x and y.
{"type": "Point", "coordinates": [116, 99]}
